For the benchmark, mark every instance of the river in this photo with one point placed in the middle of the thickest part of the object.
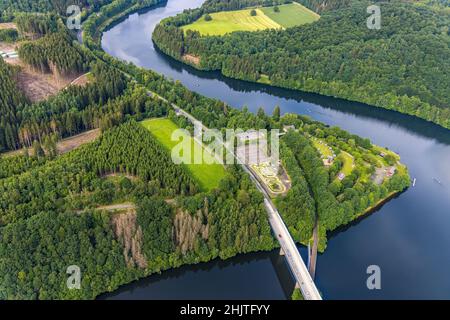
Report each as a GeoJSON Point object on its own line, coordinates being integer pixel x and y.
{"type": "Point", "coordinates": [408, 238]}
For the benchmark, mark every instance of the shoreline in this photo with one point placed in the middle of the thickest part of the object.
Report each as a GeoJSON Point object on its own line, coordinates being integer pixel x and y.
{"type": "Point", "coordinates": [264, 80]}
{"type": "Point", "coordinates": [300, 90]}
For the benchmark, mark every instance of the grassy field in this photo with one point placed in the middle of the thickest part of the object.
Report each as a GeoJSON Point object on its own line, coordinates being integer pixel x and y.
{"type": "Point", "coordinates": [290, 15]}
{"type": "Point", "coordinates": [348, 163]}
{"type": "Point", "coordinates": [230, 21]}
{"type": "Point", "coordinates": [208, 175]}
{"type": "Point", "coordinates": [322, 147]}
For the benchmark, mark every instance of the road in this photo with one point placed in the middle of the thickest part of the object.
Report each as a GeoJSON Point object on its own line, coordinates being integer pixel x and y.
{"type": "Point", "coordinates": [295, 261]}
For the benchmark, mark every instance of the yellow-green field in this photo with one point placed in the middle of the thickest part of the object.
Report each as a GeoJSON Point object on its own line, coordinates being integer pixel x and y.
{"type": "Point", "coordinates": [348, 163]}
{"type": "Point", "coordinates": [208, 175]}
{"type": "Point", "coordinates": [290, 15]}
{"type": "Point", "coordinates": [322, 147]}
{"type": "Point", "coordinates": [230, 21]}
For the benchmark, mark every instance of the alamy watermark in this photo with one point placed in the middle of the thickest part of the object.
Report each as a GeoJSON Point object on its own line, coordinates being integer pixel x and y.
{"type": "Point", "coordinates": [374, 20]}
{"type": "Point", "coordinates": [74, 17]}
{"type": "Point", "coordinates": [74, 279]}
{"type": "Point", "coordinates": [374, 280]}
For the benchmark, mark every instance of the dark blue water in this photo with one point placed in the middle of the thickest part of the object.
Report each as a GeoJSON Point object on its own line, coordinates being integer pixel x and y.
{"type": "Point", "coordinates": [408, 238]}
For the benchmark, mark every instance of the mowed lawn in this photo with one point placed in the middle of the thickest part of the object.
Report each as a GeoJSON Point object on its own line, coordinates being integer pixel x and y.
{"type": "Point", "coordinates": [290, 15]}
{"type": "Point", "coordinates": [348, 163]}
{"type": "Point", "coordinates": [230, 21]}
{"type": "Point", "coordinates": [208, 175]}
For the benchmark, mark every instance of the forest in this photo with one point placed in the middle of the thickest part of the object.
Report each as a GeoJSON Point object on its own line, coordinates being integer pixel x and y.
{"type": "Point", "coordinates": [44, 6]}
{"type": "Point", "coordinates": [73, 110]}
{"type": "Point", "coordinates": [403, 66]}
{"type": "Point", "coordinates": [42, 234]}
{"type": "Point", "coordinates": [11, 99]}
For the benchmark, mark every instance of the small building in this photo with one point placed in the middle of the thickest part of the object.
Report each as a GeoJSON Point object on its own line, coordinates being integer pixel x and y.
{"type": "Point", "coordinates": [341, 176]}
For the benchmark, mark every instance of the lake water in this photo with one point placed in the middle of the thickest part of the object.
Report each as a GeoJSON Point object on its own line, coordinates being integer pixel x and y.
{"type": "Point", "coordinates": [408, 238]}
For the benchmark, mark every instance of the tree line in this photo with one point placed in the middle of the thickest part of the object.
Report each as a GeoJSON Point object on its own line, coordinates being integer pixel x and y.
{"type": "Point", "coordinates": [44, 6]}
{"type": "Point", "coordinates": [11, 99]}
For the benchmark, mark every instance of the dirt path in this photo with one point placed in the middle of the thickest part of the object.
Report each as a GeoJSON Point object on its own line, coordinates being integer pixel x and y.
{"type": "Point", "coordinates": [81, 80]}
{"type": "Point", "coordinates": [379, 175]}
{"type": "Point", "coordinates": [64, 145]}
{"type": "Point", "coordinates": [8, 25]}
{"type": "Point", "coordinates": [118, 207]}
{"type": "Point", "coordinates": [74, 142]}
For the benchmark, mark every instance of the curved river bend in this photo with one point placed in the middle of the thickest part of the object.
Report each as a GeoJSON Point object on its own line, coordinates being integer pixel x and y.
{"type": "Point", "coordinates": [408, 238]}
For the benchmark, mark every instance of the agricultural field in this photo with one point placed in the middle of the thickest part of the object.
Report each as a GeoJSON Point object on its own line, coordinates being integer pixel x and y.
{"type": "Point", "coordinates": [208, 175]}
{"type": "Point", "coordinates": [291, 15]}
{"type": "Point", "coordinates": [230, 21]}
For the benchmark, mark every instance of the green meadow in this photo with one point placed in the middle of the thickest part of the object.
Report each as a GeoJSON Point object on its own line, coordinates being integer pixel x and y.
{"type": "Point", "coordinates": [291, 15]}
{"type": "Point", "coordinates": [224, 22]}
{"type": "Point", "coordinates": [208, 175]}
{"type": "Point", "coordinates": [230, 21]}
{"type": "Point", "coordinates": [348, 163]}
